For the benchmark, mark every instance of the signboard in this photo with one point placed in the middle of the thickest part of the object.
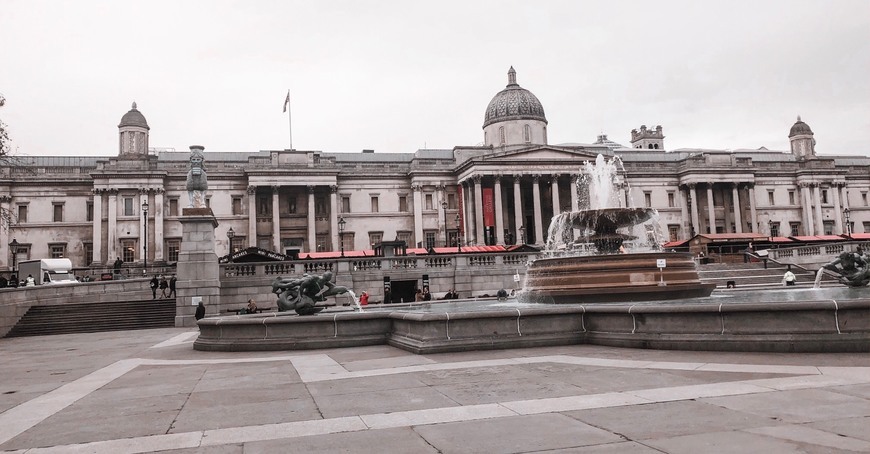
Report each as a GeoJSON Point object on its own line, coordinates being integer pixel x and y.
{"type": "Point", "coordinates": [661, 263]}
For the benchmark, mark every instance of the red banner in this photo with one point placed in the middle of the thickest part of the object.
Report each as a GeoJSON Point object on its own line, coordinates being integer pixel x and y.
{"type": "Point", "coordinates": [488, 208]}
{"type": "Point", "coordinates": [461, 203]}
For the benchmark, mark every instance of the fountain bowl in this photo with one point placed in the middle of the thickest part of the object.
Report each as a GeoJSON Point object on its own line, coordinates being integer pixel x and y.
{"type": "Point", "coordinates": [614, 278]}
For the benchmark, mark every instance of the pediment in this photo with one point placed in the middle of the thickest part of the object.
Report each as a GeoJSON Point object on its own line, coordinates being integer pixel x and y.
{"type": "Point", "coordinates": [543, 154]}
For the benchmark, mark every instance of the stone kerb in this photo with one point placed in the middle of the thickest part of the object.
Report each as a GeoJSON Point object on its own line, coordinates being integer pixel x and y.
{"type": "Point", "coordinates": [198, 270]}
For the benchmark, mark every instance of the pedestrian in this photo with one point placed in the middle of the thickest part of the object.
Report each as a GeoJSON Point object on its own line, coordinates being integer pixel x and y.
{"type": "Point", "coordinates": [154, 284]}
{"type": "Point", "coordinates": [13, 281]}
{"type": "Point", "coordinates": [418, 295]}
{"type": "Point", "coordinates": [789, 278]}
{"type": "Point", "coordinates": [426, 295]}
{"type": "Point", "coordinates": [172, 286]}
{"type": "Point", "coordinates": [200, 311]}
{"type": "Point", "coordinates": [363, 299]}
{"type": "Point", "coordinates": [388, 296]}
{"type": "Point", "coordinates": [30, 282]}
{"type": "Point", "coordinates": [117, 265]}
{"type": "Point", "coordinates": [164, 287]}
{"type": "Point", "coordinates": [3, 282]}
{"type": "Point", "coordinates": [252, 306]}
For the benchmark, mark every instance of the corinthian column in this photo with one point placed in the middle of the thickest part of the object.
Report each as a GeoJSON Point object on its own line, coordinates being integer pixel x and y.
{"type": "Point", "coordinates": [252, 216]}
{"type": "Point", "coordinates": [499, 216]}
{"type": "Point", "coordinates": [97, 238]}
{"type": "Point", "coordinates": [735, 200]}
{"type": "Point", "coordinates": [539, 224]}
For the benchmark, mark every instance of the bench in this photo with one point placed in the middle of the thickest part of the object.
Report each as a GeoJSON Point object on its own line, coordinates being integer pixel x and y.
{"type": "Point", "coordinates": [259, 309]}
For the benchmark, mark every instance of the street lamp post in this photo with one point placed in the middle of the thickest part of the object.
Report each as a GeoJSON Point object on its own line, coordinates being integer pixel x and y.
{"type": "Point", "coordinates": [145, 240]}
{"type": "Point", "coordinates": [847, 213]}
{"type": "Point", "coordinates": [341, 224]}
{"type": "Point", "coordinates": [13, 246]}
{"type": "Point", "coordinates": [230, 235]}
{"type": "Point", "coordinates": [522, 234]}
{"type": "Point", "coordinates": [458, 238]}
{"type": "Point", "coordinates": [444, 210]}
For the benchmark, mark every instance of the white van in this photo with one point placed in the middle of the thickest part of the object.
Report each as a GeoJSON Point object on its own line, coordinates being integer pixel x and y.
{"type": "Point", "coordinates": [47, 271]}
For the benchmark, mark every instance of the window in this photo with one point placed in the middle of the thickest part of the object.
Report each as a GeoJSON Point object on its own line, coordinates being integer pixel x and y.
{"type": "Point", "coordinates": [791, 197]}
{"type": "Point", "coordinates": [264, 208]}
{"type": "Point", "coordinates": [322, 243]}
{"type": "Point", "coordinates": [774, 229]}
{"type": "Point", "coordinates": [320, 205]}
{"type": "Point", "coordinates": [795, 228]}
{"type": "Point", "coordinates": [172, 248]}
{"type": "Point", "coordinates": [375, 238]}
{"type": "Point", "coordinates": [237, 206]}
{"type": "Point", "coordinates": [770, 198]}
{"type": "Point", "coordinates": [404, 236]}
{"type": "Point", "coordinates": [647, 199]}
{"type": "Point", "coordinates": [453, 238]}
{"type": "Point", "coordinates": [208, 202]}
{"type": "Point", "coordinates": [57, 212]}
{"type": "Point", "coordinates": [173, 207]}
{"type": "Point", "coordinates": [451, 201]}
{"type": "Point", "coordinates": [345, 204]}
{"type": "Point", "coordinates": [128, 250]}
{"type": "Point", "coordinates": [374, 204]}
{"type": "Point", "coordinates": [128, 207]}
{"type": "Point", "coordinates": [527, 133]}
{"type": "Point", "coordinates": [347, 240]}
{"type": "Point", "coordinates": [89, 253]}
{"type": "Point", "coordinates": [673, 232]}
{"type": "Point", "coordinates": [672, 200]}
{"type": "Point", "coordinates": [428, 201]}
{"type": "Point", "coordinates": [89, 212]}
{"type": "Point", "coordinates": [237, 244]}
{"type": "Point", "coordinates": [403, 203]}
{"type": "Point", "coordinates": [501, 139]}
{"type": "Point", "coordinates": [22, 213]}
{"type": "Point", "coordinates": [291, 204]}
{"type": "Point", "coordinates": [430, 238]}
{"type": "Point", "coordinates": [828, 226]}
{"type": "Point", "coordinates": [57, 250]}
{"type": "Point", "coordinates": [864, 198]}
{"type": "Point", "coordinates": [824, 196]}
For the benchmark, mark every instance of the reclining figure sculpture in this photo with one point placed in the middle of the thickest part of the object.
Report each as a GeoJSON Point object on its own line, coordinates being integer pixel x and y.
{"type": "Point", "coordinates": [303, 293]}
{"type": "Point", "coordinates": [850, 268]}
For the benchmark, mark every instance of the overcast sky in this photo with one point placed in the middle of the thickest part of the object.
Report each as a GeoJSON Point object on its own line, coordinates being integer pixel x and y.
{"type": "Point", "coordinates": [395, 76]}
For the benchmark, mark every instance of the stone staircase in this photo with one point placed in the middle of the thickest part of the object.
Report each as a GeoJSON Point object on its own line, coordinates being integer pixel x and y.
{"type": "Point", "coordinates": [95, 317]}
{"type": "Point", "coordinates": [752, 275]}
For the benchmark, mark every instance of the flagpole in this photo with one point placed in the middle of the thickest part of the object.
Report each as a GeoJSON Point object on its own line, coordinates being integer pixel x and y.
{"type": "Point", "coordinates": [289, 119]}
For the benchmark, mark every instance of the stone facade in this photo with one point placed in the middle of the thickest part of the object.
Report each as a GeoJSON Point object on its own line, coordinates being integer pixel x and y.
{"type": "Point", "coordinates": [89, 208]}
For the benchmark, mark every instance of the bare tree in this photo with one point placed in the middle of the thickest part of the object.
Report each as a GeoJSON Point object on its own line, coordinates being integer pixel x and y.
{"type": "Point", "coordinates": [7, 217]}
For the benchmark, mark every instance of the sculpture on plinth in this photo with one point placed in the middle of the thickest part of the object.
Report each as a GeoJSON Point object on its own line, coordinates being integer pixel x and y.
{"type": "Point", "coordinates": [197, 180]}
{"type": "Point", "coordinates": [850, 268]}
{"type": "Point", "coordinates": [303, 293]}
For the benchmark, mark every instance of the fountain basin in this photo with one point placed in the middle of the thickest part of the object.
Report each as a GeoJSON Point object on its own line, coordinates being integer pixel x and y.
{"type": "Point", "coordinates": [827, 320]}
{"type": "Point", "coordinates": [615, 278]}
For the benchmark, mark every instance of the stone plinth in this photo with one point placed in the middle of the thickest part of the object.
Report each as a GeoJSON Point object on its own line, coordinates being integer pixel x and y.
{"type": "Point", "coordinates": [198, 269]}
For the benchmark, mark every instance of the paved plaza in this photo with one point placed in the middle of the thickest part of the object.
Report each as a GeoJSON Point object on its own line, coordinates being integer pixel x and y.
{"type": "Point", "coordinates": [148, 391]}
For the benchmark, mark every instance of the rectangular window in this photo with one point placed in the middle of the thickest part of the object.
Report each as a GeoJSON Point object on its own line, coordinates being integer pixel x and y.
{"type": "Point", "coordinates": [128, 250]}
{"type": "Point", "coordinates": [322, 241]}
{"type": "Point", "coordinates": [89, 212]}
{"type": "Point", "coordinates": [172, 248]}
{"type": "Point", "coordinates": [774, 229]}
{"type": "Point", "coordinates": [403, 204]}
{"type": "Point", "coordinates": [237, 244]}
{"type": "Point", "coordinates": [795, 228]}
{"type": "Point", "coordinates": [451, 201]}
{"type": "Point", "coordinates": [22, 213]}
{"type": "Point", "coordinates": [428, 201]}
{"type": "Point", "coordinates": [57, 250]}
{"type": "Point", "coordinates": [791, 197]}
{"type": "Point", "coordinates": [824, 196]}
{"type": "Point", "coordinates": [347, 241]}
{"type": "Point", "coordinates": [89, 253]}
{"type": "Point", "coordinates": [430, 238]}
{"type": "Point", "coordinates": [864, 198]}
{"type": "Point", "coordinates": [453, 238]}
{"type": "Point", "coordinates": [375, 238]}
{"type": "Point", "coordinates": [128, 207]}
{"type": "Point", "coordinates": [671, 200]}
{"type": "Point", "coordinates": [770, 198]}
{"type": "Point", "coordinates": [345, 204]}
{"type": "Point", "coordinates": [374, 204]}
{"type": "Point", "coordinates": [829, 227]}
{"type": "Point", "coordinates": [264, 207]}
{"type": "Point", "coordinates": [57, 214]}
{"type": "Point", "coordinates": [208, 202]}
{"type": "Point", "coordinates": [237, 206]}
{"type": "Point", "coordinates": [404, 236]}
{"type": "Point", "coordinates": [173, 207]}
{"type": "Point", "coordinates": [673, 232]}
{"type": "Point", "coordinates": [647, 199]}
{"type": "Point", "coordinates": [320, 206]}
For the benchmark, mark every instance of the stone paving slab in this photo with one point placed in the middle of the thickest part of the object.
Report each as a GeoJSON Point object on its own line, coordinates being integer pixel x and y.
{"type": "Point", "coordinates": [149, 391]}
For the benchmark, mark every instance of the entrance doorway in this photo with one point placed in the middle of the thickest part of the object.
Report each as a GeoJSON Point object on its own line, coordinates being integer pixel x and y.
{"type": "Point", "coordinates": [403, 291]}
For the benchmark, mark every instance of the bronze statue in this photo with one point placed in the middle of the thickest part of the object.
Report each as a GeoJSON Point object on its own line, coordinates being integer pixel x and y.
{"type": "Point", "coordinates": [851, 268]}
{"type": "Point", "coordinates": [303, 293]}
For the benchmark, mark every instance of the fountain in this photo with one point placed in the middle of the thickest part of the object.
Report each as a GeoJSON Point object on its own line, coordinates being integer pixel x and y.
{"type": "Point", "coordinates": [597, 266]}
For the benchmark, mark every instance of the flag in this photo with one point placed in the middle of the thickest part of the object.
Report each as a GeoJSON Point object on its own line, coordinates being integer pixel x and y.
{"type": "Point", "coordinates": [287, 101]}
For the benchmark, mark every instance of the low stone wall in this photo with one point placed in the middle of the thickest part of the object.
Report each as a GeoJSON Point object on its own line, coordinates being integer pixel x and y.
{"type": "Point", "coordinates": [15, 302]}
{"type": "Point", "coordinates": [806, 326]}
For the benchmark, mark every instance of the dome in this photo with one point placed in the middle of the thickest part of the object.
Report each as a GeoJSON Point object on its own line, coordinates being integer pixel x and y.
{"type": "Point", "coordinates": [133, 118]}
{"type": "Point", "coordinates": [513, 103]}
{"type": "Point", "coordinates": [800, 128]}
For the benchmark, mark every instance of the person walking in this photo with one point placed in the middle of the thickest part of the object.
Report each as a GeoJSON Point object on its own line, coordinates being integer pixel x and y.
{"type": "Point", "coordinates": [200, 311]}
{"type": "Point", "coordinates": [164, 287]}
{"type": "Point", "coordinates": [172, 286]}
{"type": "Point", "coordinates": [117, 265]}
{"type": "Point", "coordinates": [789, 278]}
{"type": "Point", "coordinates": [154, 284]}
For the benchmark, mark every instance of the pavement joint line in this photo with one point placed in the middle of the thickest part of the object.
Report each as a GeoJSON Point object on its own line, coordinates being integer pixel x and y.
{"type": "Point", "coordinates": [182, 338]}
{"type": "Point", "coordinates": [804, 434]}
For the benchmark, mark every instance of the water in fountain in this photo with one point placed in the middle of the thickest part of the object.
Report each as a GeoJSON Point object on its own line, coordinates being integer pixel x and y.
{"type": "Point", "coordinates": [593, 229]}
{"type": "Point", "coordinates": [356, 305]}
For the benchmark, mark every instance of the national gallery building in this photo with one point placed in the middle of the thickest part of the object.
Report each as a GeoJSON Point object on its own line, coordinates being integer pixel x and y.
{"type": "Point", "coordinates": [94, 209]}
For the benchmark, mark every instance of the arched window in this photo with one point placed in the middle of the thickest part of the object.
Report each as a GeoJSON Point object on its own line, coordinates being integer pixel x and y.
{"type": "Point", "coordinates": [656, 146]}
{"type": "Point", "coordinates": [527, 133]}
{"type": "Point", "coordinates": [485, 138]}
{"type": "Point", "coordinates": [501, 135]}
{"type": "Point", "coordinates": [649, 146]}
